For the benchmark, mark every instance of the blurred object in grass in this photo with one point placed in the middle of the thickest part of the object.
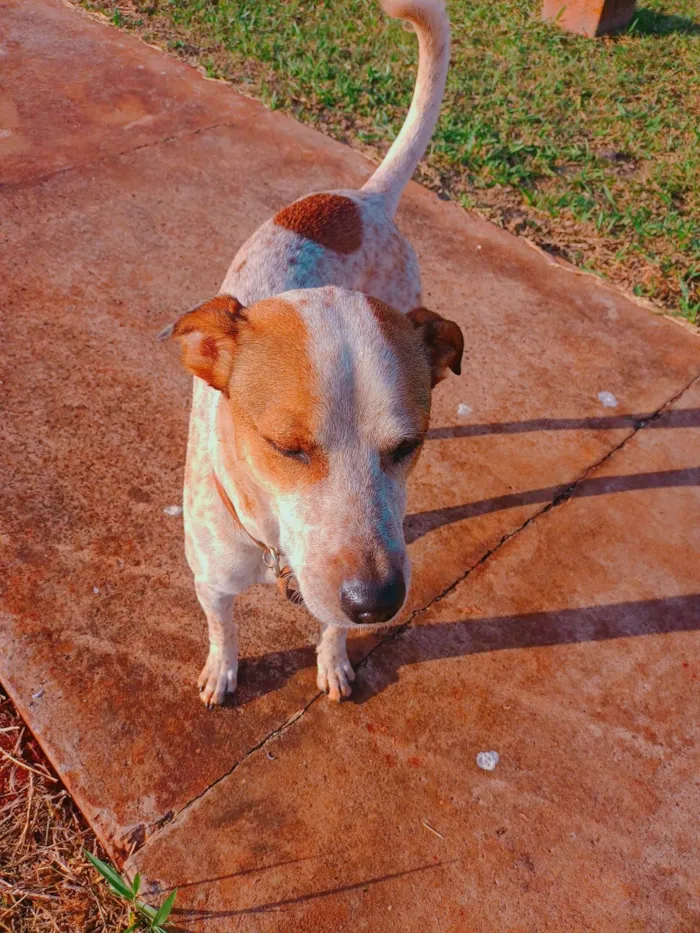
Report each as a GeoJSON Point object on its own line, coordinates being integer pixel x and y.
{"type": "Point", "coordinates": [589, 17]}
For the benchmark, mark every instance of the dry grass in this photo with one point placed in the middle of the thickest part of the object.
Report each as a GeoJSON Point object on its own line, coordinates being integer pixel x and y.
{"type": "Point", "coordinates": [46, 884]}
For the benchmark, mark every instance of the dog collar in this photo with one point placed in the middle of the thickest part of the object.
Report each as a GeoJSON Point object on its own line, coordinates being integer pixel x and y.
{"type": "Point", "coordinates": [287, 583]}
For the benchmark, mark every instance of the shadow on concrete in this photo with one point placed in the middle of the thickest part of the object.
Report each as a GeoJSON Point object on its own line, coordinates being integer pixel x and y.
{"type": "Point", "coordinates": [464, 637]}
{"type": "Point", "coordinates": [261, 675]}
{"type": "Point", "coordinates": [458, 639]}
{"type": "Point", "coordinates": [258, 676]}
{"type": "Point", "coordinates": [234, 874]}
{"type": "Point", "coordinates": [420, 523]}
{"type": "Point", "coordinates": [200, 915]}
{"type": "Point", "coordinates": [675, 418]}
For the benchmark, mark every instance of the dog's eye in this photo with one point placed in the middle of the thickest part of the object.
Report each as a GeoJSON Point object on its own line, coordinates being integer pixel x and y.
{"type": "Point", "coordinates": [405, 449]}
{"type": "Point", "coordinates": [293, 453]}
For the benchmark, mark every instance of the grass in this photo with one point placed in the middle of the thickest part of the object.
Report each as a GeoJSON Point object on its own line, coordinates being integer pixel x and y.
{"type": "Point", "coordinates": [50, 863]}
{"type": "Point", "coordinates": [141, 916]}
{"type": "Point", "coordinates": [588, 147]}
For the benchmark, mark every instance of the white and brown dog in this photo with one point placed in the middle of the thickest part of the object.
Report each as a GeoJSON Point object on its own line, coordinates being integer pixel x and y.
{"type": "Point", "coordinates": [312, 398]}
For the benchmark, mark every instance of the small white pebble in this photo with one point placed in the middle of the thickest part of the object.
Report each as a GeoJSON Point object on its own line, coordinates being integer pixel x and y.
{"type": "Point", "coordinates": [38, 695]}
{"type": "Point", "coordinates": [96, 590]}
{"type": "Point", "coordinates": [608, 399]}
{"type": "Point", "coordinates": [5, 133]}
{"type": "Point", "coordinates": [478, 246]}
{"type": "Point", "coordinates": [173, 510]}
{"type": "Point", "coordinates": [487, 761]}
{"type": "Point", "coordinates": [464, 410]}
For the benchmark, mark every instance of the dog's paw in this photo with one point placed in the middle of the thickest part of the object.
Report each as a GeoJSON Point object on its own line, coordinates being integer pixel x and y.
{"type": "Point", "coordinates": [335, 676]}
{"type": "Point", "coordinates": [219, 676]}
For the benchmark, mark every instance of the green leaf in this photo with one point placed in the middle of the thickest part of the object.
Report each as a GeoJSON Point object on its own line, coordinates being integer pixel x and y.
{"type": "Point", "coordinates": [114, 880]}
{"type": "Point", "coordinates": [146, 910]}
{"type": "Point", "coordinates": [136, 884]}
{"type": "Point", "coordinates": [164, 910]}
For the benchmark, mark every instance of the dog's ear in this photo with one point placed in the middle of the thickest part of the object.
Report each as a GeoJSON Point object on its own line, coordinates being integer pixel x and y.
{"type": "Point", "coordinates": [208, 334]}
{"type": "Point", "coordinates": [443, 341]}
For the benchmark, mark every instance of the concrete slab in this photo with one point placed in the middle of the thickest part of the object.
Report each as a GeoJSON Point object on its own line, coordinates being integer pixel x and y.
{"type": "Point", "coordinates": [74, 90]}
{"type": "Point", "coordinates": [574, 652]}
{"type": "Point", "coordinates": [102, 635]}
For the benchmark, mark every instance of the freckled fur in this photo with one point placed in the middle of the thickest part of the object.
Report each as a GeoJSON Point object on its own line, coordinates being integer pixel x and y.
{"type": "Point", "coordinates": [303, 357]}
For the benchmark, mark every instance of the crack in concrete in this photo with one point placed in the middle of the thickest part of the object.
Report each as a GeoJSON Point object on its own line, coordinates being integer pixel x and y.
{"type": "Point", "coordinates": [170, 818]}
{"type": "Point", "coordinates": [397, 631]}
{"type": "Point", "coordinates": [558, 500]}
{"type": "Point", "coordinates": [40, 179]}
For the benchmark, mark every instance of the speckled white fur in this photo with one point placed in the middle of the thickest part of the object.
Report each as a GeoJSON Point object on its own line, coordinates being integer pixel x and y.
{"type": "Point", "coordinates": [357, 499]}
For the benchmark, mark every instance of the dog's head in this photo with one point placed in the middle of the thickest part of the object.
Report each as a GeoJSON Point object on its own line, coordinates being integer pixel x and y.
{"type": "Point", "coordinates": [327, 395]}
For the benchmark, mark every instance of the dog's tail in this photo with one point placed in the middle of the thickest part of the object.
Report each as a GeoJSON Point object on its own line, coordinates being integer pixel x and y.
{"type": "Point", "coordinates": [429, 19]}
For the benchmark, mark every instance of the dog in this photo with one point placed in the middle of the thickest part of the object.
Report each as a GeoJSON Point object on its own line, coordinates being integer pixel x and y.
{"type": "Point", "coordinates": [313, 373]}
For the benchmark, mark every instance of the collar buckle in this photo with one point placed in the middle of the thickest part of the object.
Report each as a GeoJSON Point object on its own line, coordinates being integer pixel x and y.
{"type": "Point", "coordinates": [271, 559]}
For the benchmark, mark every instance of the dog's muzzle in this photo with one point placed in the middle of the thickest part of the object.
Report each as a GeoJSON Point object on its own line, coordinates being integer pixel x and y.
{"type": "Point", "coordinates": [372, 602]}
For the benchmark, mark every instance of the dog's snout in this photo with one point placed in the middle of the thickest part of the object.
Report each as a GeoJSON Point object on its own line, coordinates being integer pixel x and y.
{"type": "Point", "coordinates": [371, 602]}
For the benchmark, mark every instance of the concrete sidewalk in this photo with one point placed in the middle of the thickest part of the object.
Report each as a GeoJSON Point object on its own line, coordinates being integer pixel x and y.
{"type": "Point", "coordinates": [555, 543]}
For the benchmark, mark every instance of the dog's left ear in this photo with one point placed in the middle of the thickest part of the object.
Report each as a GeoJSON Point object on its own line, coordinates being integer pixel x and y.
{"type": "Point", "coordinates": [208, 334]}
{"type": "Point", "coordinates": [443, 341]}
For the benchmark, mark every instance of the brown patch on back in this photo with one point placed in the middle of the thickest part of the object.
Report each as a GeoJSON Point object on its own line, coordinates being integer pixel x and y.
{"type": "Point", "coordinates": [273, 395]}
{"type": "Point", "coordinates": [331, 220]}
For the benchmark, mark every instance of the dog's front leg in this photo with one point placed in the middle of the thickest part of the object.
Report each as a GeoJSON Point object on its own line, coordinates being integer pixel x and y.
{"type": "Point", "coordinates": [335, 673]}
{"type": "Point", "coordinates": [220, 674]}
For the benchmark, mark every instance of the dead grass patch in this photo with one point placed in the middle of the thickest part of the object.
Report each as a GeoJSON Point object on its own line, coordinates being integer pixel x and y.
{"type": "Point", "coordinates": [46, 884]}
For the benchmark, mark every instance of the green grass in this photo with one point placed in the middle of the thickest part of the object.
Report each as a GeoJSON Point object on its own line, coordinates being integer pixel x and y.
{"type": "Point", "coordinates": [142, 917]}
{"type": "Point", "coordinates": [589, 147]}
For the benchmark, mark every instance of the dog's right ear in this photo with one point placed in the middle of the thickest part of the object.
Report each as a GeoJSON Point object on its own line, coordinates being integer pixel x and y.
{"type": "Point", "coordinates": [208, 335]}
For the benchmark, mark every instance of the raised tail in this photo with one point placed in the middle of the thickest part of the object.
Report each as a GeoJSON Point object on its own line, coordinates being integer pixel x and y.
{"type": "Point", "coordinates": [429, 19]}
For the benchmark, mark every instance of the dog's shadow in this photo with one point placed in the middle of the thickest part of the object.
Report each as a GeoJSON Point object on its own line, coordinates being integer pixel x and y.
{"type": "Point", "coordinates": [464, 637]}
{"type": "Point", "coordinates": [417, 644]}
{"type": "Point", "coordinates": [263, 674]}
{"type": "Point", "coordinates": [266, 673]}
{"type": "Point", "coordinates": [269, 672]}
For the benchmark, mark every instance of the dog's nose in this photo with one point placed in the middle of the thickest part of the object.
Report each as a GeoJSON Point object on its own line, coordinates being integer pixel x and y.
{"type": "Point", "coordinates": [370, 602]}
